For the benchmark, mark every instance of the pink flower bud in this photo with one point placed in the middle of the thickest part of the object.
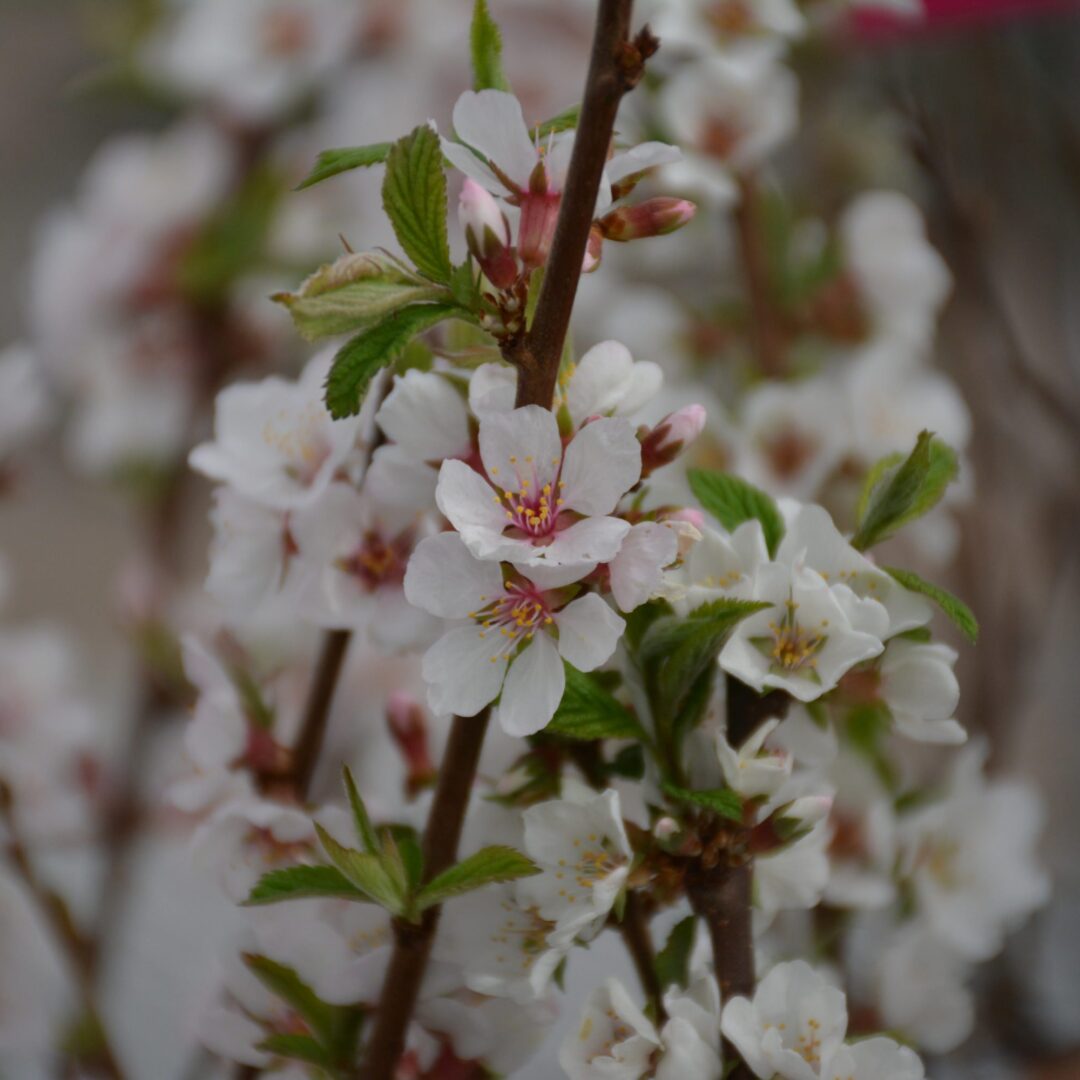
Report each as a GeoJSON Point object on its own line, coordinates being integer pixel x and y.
{"type": "Point", "coordinates": [670, 437]}
{"type": "Point", "coordinates": [665, 828]}
{"type": "Point", "coordinates": [653, 217]}
{"type": "Point", "coordinates": [690, 515]}
{"type": "Point", "coordinates": [487, 233]}
{"type": "Point", "coordinates": [408, 728]}
{"type": "Point", "coordinates": [539, 213]}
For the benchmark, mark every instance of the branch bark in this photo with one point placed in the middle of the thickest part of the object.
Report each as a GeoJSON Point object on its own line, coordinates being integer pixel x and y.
{"type": "Point", "coordinates": [764, 323]}
{"type": "Point", "coordinates": [635, 934]}
{"type": "Point", "coordinates": [615, 67]}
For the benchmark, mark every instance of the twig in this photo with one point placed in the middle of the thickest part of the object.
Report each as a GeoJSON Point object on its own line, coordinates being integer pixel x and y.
{"type": "Point", "coordinates": [635, 933]}
{"type": "Point", "coordinates": [764, 324]}
{"type": "Point", "coordinates": [616, 65]}
{"type": "Point", "coordinates": [77, 949]}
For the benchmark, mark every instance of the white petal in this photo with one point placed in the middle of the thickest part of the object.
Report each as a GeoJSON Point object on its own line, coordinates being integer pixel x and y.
{"type": "Point", "coordinates": [461, 676]}
{"type": "Point", "coordinates": [588, 632]}
{"type": "Point", "coordinates": [522, 444]}
{"type": "Point", "coordinates": [646, 155]}
{"type": "Point", "coordinates": [637, 570]}
{"type": "Point", "coordinates": [600, 465]}
{"type": "Point", "coordinates": [533, 689]}
{"type": "Point", "coordinates": [462, 158]}
{"type": "Point", "coordinates": [467, 500]}
{"type": "Point", "coordinates": [426, 415]}
{"type": "Point", "coordinates": [444, 578]}
{"type": "Point", "coordinates": [492, 388]}
{"type": "Point", "coordinates": [591, 540]}
{"type": "Point", "coordinates": [491, 121]}
{"type": "Point", "coordinates": [597, 382]}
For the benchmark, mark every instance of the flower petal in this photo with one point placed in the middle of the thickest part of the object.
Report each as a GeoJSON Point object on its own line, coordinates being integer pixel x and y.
{"type": "Point", "coordinates": [533, 689]}
{"type": "Point", "coordinates": [425, 414]}
{"type": "Point", "coordinates": [467, 500]}
{"type": "Point", "coordinates": [491, 121]}
{"type": "Point", "coordinates": [520, 447]}
{"type": "Point", "coordinates": [461, 676]}
{"type": "Point", "coordinates": [444, 578]}
{"type": "Point", "coordinates": [588, 632]}
{"type": "Point", "coordinates": [592, 540]}
{"type": "Point", "coordinates": [600, 465]}
{"type": "Point", "coordinates": [637, 570]}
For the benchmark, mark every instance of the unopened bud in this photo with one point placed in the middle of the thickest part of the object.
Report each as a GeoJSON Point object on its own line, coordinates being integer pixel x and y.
{"type": "Point", "coordinates": [653, 217]}
{"type": "Point", "coordinates": [594, 248]}
{"type": "Point", "coordinates": [487, 233]}
{"type": "Point", "coordinates": [665, 828]}
{"type": "Point", "coordinates": [670, 437]}
{"type": "Point", "coordinates": [408, 728]}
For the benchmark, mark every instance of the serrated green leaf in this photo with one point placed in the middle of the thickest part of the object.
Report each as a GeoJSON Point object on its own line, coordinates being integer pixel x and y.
{"type": "Point", "coordinates": [355, 291]}
{"type": "Point", "coordinates": [412, 856]}
{"type": "Point", "coordinates": [365, 831]}
{"type": "Point", "coordinates": [899, 492]}
{"type": "Point", "coordinates": [588, 711]}
{"type": "Point", "coordinates": [723, 801]}
{"type": "Point", "coordinates": [488, 866]}
{"type": "Point", "coordinates": [285, 984]}
{"type": "Point", "coordinates": [343, 159]}
{"type": "Point", "coordinates": [296, 1048]}
{"type": "Point", "coordinates": [731, 500]}
{"type": "Point", "coordinates": [676, 650]}
{"type": "Point", "coordinates": [953, 606]}
{"type": "Point", "coordinates": [567, 120]}
{"type": "Point", "coordinates": [486, 44]}
{"type": "Point", "coordinates": [414, 197]}
{"type": "Point", "coordinates": [360, 358]}
{"type": "Point", "coordinates": [673, 960]}
{"type": "Point", "coordinates": [366, 871]}
{"type": "Point", "coordinates": [301, 882]}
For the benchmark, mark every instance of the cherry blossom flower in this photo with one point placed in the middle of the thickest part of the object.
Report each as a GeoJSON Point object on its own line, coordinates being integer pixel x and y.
{"type": "Point", "coordinates": [921, 691]}
{"type": "Point", "coordinates": [542, 505]}
{"type": "Point", "coordinates": [752, 769]}
{"type": "Point", "coordinates": [275, 441]}
{"type": "Point", "coordinates": [514, 632]}
{"type": "Point", "coordinates": [718, 565]}
{"type": "Point", "coordinates": [970, 858]}
{"type": "Point", "coordinates": [873, 1059]}
{"type": "Point", "coordinates": [702, 25]}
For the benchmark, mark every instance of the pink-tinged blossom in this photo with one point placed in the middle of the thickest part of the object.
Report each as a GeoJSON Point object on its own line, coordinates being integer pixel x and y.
{"type": "Point", "coordinates": [511, 636]}
{"type": "Point", "coordinates": [542, 505]}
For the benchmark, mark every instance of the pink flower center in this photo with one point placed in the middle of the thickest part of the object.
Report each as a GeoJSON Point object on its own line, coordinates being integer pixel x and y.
{"type": "Point", "coordinates": [378, 561]}
{"type": "Point", "coordinates": [514, 617]}
{"type": "Point", "coordinates": [534, 506]}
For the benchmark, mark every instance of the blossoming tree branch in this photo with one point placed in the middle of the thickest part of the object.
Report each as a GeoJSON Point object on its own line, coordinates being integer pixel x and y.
{"type": "Point", "coordinates": [670, 691]}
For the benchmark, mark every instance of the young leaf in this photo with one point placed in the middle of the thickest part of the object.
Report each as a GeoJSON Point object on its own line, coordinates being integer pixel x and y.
{"type": "Point", "coordinates": [331, 162]}
{"type": "Point", "coordinates": [301, 882]}
{"type": "Point", "coordinates": [677, 650]}
{"type": "Point", "coordinates": [673, 960]}
{"type": "Point", "coordinates": [285, 984]}
{"type": "Point", "coordinates": [486, 43]}
{"type": "Point", "coordinates": [732, 501]}
{"type": "Point", "coordinates": [353, 292]}
{"type": "Point", "coordinates": [588, 711]}
{"type": "Point", "coordinates": [954, 607]}
{"type": "Point", "coordinates": [297, 1048]}
{"type": "Point", "coordinates": [723, 801]}
{"type": "Point", "coordinates": [899, 492]}
{"type": "Point", "coordinates": [365, 831]}
{"type": "Point", "coordinates": [488, 866]}
{"type": "Point", "coordinates": [414, 197]}
{"type": "Point", "coordinates": [567, 120]}
{"type": "Point", "coordinates": [360, 358]}
{"type": "Point", "coordinates": [366, 872]}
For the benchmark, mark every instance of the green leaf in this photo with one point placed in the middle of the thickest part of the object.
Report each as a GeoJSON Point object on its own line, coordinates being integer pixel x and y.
{"type": "Point", "coordinates": [367, 872]}
{"type": "Point", "coordinates": [359, 359]}
{"type": "Point", "coordinates": [588, 711]}
{"type": "Point", "coordinates": [488, 866]}
{"type": "Point", "coordinates": [296, 1048]}
{"type": "Point", "coordinates": [365, 831]}
{"type": "Point", "coordinates": [412, 857]}
{"type": "Point", "coordinates": [628, 763]}
{"type": "Point", "coordinates": [723, 801]}
{"type": "Point", "coordinates": [567, 120]}
{"type": "Point", "coordinates": [414, 197]}
{"type": "Point", "coordinates": [331, 162]}
{"type": "Point", "coordinates": [301, 882]}
{"type": "Point", "coordinates": [486, 43]}
{"type": "Point", "coordinates": [897, 492]}
{"type": "Point", "coordinates": [676, 650]}
{"type": "Point", "coordinates": [954, 607]}
{"type": "Point", "coordinates": [694, 706]}
{"type": "Point", "coordinates": [355, 291]}
{"type": "Point", "coordinates": [732, 501]}
{"type": "Point", "coordinates": [285, 984]}
{"type": "Point", "coordinates": [673, 960]}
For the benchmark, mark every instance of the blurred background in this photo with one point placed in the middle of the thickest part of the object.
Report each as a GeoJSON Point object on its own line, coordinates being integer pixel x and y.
{"type": "Point", "coordinates": [974, 111]}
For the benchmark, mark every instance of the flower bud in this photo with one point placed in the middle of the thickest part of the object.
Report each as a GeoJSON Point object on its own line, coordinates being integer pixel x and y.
{"type": "Point", "coordinates": [670, 437]}
{"type": "Point", "coordinates": [593, 250]}
{"type": "Point", "coordinates": [665, 828]}
{"type": "Point", "coordinates": [408, 728]}
{"type": "Point", "coordinates": [653, 217]}
{"type": "Point", "coordinates": [539, 214]}
{"type": "Point", "coordinates": [487, 234]}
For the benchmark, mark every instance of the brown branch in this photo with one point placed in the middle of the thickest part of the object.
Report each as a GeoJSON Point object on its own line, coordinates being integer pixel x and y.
{"type": "Point", "coordinates": [614, 69]}
{"type": "Point", "coordinates": [764, 320]}
{"type": "Point", "coordinates": [413, 942]}
{"type": "Point", "coordinates": [76, 948]}
{"type": "Point", "coordinates": [638, 939]}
